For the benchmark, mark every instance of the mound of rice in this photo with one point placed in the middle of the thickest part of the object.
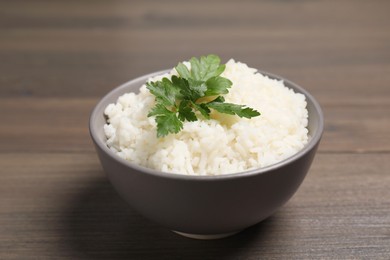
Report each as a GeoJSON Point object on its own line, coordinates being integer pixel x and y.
{"type": "Point", "coordinates": [222, 145]}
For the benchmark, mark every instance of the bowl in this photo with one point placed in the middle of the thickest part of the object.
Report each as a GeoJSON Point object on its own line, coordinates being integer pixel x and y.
{"type": "Point", "coordinates": [205, 207]}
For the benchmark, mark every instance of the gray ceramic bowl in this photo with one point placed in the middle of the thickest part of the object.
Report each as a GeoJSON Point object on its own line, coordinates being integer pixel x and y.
{"type": "Point", "coordinates": [205, 206]}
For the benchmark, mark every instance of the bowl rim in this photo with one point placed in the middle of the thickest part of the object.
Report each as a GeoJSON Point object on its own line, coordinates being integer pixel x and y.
{"type": "Point", "coordinates": [313, 141]}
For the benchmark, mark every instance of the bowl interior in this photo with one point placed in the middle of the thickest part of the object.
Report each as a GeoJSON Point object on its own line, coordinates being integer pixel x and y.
{"type": "Point", "coordinates": [97, 120]}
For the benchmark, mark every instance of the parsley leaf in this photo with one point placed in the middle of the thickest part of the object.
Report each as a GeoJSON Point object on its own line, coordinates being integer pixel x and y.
{"type": "Point", "coordinates": [233, 109]}
{"type": "Point", "coordinates": [183, 71]}
{"type": "Point", "coordinates": [190, 89]}
{"type": "Point", "coordinates": [168, 124]}
{"type": "Point", "coordinates": [187, 96]}
{"type": "Point", "coordinates": [217, 86]}
{"type": "Point", "coordinates": [165, 91]}
{"type": "Point", "coordinates": [167, 121]}
{"type": "Point", "coordinates": [185, 111]}
{"type": "Point", "coordinates": [203, 109]}
{"type": "Point", "coordinates": [206, 67]}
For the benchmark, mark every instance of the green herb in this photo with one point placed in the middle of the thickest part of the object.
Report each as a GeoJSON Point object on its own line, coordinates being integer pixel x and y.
{"type": "Point", "coordinates": [192, 94]}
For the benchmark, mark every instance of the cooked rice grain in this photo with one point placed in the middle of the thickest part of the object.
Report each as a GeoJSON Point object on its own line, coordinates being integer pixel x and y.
{"type": "Point", "coordinates": [222, 145]}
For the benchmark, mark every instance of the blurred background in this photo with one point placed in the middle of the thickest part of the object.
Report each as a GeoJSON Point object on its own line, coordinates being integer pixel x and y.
{"type": "Point", "coordinates": [52, 48]}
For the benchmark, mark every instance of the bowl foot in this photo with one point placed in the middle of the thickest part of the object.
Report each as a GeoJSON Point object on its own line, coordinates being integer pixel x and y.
{"type": "Point", "coordinates": [206, 237]}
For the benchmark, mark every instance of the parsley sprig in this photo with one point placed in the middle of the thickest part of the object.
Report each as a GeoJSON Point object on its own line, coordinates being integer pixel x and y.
{"type": "Point", "coordinates": [193, 93]}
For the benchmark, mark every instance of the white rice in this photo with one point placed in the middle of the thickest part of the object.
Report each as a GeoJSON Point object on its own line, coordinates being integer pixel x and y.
{"type": "Point", "coordinates": [226, 144]}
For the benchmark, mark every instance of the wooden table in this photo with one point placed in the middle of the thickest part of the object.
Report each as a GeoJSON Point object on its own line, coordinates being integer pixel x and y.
{"type": "Point", "coordinates": [57, 58]}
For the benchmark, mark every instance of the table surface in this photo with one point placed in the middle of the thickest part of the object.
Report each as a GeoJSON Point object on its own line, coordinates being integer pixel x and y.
{"type": "Point", "coordinates": [57, 58]}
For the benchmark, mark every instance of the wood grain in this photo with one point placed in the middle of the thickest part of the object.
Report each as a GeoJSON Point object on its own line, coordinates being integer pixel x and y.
{"type": "Point", "coordinates": [54, 48]}
{"type": "Point", "coordinates": [57, 58]}
{"type": "Point", "coordinates": [61, 206]}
